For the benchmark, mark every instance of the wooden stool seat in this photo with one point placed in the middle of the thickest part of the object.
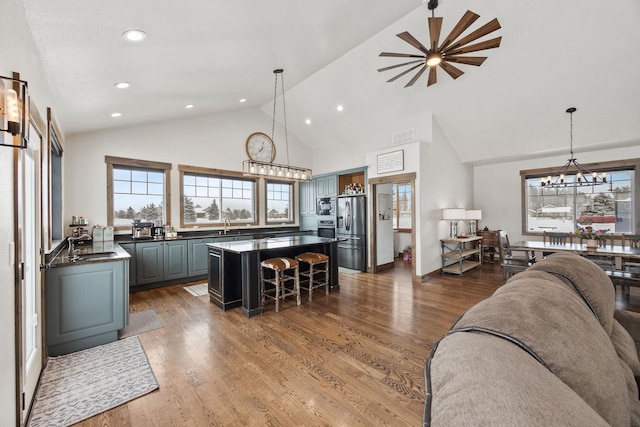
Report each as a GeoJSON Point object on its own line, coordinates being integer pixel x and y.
{"type": "Point", "coordinates": [283, 270]}
{"type": "Point", "coordinates": [318, 273]}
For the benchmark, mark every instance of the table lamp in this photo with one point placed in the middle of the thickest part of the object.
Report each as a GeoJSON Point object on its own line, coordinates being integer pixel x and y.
{"type": "Point", "coordinates": [473, 215]}
{"type": "Point", "coordinates": [453, 215]}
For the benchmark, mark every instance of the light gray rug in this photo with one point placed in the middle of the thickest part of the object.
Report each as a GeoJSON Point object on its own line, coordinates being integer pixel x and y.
{"type": "Point", "coordinates": [79, 385]}
{"type": "Point", "coordinates": [198, 290]}
{"type": "Point", "coordinates": [140, 322]}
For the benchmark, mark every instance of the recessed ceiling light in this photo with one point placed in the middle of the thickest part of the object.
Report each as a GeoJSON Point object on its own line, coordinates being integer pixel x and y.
{"type": "Point", "coordinates": [189, 106]}
{"type": "Point", "coordinates": [134, 35]}
{"type": "Point", "coordinates": [122, 85]}
{"type": "Point", "coordinates": [308, 121]}
{"type": "Point", "coordinates": [243, 100]}
{"type": "Point", "coordinates": [116, 114]}
{"type": "Point", "coordinates": [340, 108]}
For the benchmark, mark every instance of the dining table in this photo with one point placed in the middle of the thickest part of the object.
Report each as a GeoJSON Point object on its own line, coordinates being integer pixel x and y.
{"type": "Point", "coordinates": [616, 253]}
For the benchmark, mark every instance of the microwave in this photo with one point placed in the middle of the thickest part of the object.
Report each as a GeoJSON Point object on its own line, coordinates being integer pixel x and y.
{"type": "Point", "coordinates": [326, 206]}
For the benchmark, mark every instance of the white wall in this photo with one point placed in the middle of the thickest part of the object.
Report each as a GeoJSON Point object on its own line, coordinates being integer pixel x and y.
{"type": "Point", "coordinates": [211, 141]}
{"type": "Point", "coordinates": [18, 54]}
{"type": "Point", "coordinates": [497, 186]}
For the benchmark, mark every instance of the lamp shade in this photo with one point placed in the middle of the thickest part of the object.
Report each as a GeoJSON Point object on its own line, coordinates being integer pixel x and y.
{"type": "Point", "coordinates": [453, 214]}
{"type": "Point", "coordinates": [473, 214]}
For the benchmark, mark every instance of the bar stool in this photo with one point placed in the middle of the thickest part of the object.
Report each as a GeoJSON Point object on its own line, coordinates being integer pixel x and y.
{"type": "Point", "coordinates": [318, 265]}
{"type": "Point", "coordinates": [284, 270]}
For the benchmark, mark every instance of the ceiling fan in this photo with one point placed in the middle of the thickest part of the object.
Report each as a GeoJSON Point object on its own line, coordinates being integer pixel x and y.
{"type": "Point", "coordinates": [447, 52]}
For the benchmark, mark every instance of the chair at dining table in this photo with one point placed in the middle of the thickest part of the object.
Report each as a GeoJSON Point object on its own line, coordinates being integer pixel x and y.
{"type": "Point", "coordinates": [512, 260]}
{"type": "Point", "coordinates": [632, 241]}
{"type": "Point", "coordinates": [555, 238]}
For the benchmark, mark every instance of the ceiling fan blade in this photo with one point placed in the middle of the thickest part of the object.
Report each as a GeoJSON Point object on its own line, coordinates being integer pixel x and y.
{"type": "Point", "coordinates": [401, 55]}
{"type": "Point", "coordinates": [487, 28]}
{"type": "Point", "coordinates": [432, 76]}
{"type": "Point", "coordinates": [399, 65]}
{"type": "Point", "coordinates": [413, 42]}
{"type": "Point", "coordinates": [465, 22]}
{"type": "Point", "coordinates": [403, 73]}
{"type": "Point", "coordinates": [451, 70]}
{"type": "Point", "coordinates": [469, 60]}
{"type": "Point", "coordinates": [417, 76]}
{"type": "Point", "coordinates": [435, 25]}
{"type": "Point", "coordinates": [488, 44]}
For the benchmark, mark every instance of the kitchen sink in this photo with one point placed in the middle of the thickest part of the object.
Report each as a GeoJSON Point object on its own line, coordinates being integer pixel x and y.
{"type": "Point", "coordinates": [95, 255]}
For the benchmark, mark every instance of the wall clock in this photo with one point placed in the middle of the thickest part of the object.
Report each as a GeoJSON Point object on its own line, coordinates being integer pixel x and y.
{"type": "Point", "coordinates": [260, 148]}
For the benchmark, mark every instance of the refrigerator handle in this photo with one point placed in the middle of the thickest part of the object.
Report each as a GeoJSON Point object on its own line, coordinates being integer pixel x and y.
{"type": "Point", "coordinates": [348, 220]}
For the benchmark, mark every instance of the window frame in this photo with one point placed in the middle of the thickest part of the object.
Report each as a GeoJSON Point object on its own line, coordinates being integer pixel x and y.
{"type": "Point", "coordinates": [396, 206]}
{"type": "Point", "coordinates": [608, 166]}
{"type": "Point", "coordinates": [292, 202]}
{"type": "Point", "coordinates": [216, 173]}
{"type": "Point", "coordinates": [165, 168]}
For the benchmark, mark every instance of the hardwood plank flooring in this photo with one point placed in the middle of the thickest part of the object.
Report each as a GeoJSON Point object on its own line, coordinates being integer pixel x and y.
{"type": "Point", "coordinates": [355, 357]}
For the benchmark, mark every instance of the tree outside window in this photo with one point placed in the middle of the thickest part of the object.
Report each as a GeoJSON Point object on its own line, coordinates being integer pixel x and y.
{"type": "Point", "coordinates": [402, 206]}
{"type": "Point", "coordinates": [279, 202]}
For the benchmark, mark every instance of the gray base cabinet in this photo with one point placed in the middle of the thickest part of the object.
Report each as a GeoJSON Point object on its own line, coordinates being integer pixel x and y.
{"type": "Point", "coordinates": [160, 261]}
{"type": "Point", "coordinates": [85, 305]}
{"type": "Point", "coordinates": [197, 249]}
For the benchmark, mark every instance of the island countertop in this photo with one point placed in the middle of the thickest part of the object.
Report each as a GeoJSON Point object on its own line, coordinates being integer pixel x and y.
{"type": "Point", "coordinates": [258, 245]}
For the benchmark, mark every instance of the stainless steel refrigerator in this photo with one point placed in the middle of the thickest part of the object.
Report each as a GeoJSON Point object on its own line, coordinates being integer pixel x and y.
{"type": "Point", "coordinates": [351, 229]}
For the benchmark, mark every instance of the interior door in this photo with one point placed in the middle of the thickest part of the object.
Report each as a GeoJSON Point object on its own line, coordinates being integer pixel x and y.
{"type": "Point", "coordinates": [29, 277]}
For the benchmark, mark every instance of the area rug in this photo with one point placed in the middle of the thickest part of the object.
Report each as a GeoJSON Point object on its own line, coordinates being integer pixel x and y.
{"type": "Point", "coordinates": [198, 290]}
{"type": "Point", "coordinates": [79, 385]}
{"type": "Point", "coordinates": [141, 322]}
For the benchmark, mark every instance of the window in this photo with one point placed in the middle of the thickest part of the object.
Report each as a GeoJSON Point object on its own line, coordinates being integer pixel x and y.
{"type": "Point", "coordinates": [279, 202]}
{"type": "Point", "coordinates": [402, 206]}
{"type": "Point", "coordinates": [209, 196]}
{"type": "Point", "coordinates": [137, 189]}
{"type": "Point", "coordinates": [610, 206]}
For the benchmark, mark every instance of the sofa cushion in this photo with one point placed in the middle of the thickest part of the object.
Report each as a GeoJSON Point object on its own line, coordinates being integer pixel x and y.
{"type": "Point", "coordinates": [479, 379]}
{"type": "Point", "coordinates": [552, 323]}
{"type": "Point", "coordinates": [625, 347]}
{"type": "Point", "coordinates": [631, 323]}
{"type": "Point", "coordinates": [588, 280]}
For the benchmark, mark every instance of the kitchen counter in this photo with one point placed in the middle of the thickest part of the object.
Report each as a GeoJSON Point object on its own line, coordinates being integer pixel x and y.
{"type": "Point", "coordinates": [89, 253]}
{"type": "Point", "coordinates": [257, 245]}
{"type": "Point", "coordinates": [238, 232]}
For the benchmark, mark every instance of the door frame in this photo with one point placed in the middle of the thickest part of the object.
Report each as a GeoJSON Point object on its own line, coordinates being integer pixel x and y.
{"type": "Point", "coordinates": [373, 246]}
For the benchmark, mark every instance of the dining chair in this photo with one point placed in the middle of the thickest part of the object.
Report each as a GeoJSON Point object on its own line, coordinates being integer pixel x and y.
{"type": "Point", "coordinates": [512, 260]}
{"type": "Point", "coordinates": [555, 238]}
{"type": "Point", "coordinates": [632, 241]}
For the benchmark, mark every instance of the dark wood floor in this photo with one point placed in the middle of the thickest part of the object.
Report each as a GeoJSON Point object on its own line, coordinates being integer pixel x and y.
{"type": "Point", "coordinates": [354, 357]}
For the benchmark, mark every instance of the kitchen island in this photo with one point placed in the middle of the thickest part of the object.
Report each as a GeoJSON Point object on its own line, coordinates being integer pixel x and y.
{"type": "Point", "coordinates": [234, 267]}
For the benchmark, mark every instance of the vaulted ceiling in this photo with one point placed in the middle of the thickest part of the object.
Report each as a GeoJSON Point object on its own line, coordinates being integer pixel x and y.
{"type": "Point", "coordinates": [213, 53]}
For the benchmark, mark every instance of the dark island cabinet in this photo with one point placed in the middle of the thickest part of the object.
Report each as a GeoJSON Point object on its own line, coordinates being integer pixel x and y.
{"type": "Point", "coordinates": [225, 286]}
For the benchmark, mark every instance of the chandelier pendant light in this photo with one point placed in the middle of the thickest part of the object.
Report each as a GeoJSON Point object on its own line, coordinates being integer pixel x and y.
{"type": "Point", "coordinates": [255, 166]}
{"type": "Point", "coordinates": [449, 51]}
{"type": "Point", "coordinates": [583, 176]}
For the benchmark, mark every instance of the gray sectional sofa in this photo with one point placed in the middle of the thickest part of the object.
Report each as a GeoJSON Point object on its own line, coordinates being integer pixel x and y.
{"type": "Point", "coordinates": [548, 348]}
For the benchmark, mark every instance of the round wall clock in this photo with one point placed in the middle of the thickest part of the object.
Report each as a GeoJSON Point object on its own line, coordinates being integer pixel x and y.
{"type": "Point", "coordinates": [260, 147]}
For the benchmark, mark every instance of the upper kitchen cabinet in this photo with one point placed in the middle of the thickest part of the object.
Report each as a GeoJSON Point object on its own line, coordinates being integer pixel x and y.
{"type": "Point", "coordinates": [308, 198]}
{"type": "Point", "coordinates": [352, 181]}
{"type": "Point", "coordinates": [326, 186]}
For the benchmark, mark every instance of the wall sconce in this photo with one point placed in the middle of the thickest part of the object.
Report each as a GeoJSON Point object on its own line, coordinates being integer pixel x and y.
{"type": "Point", "coordinates": [453, 215]}
{"type": "Point", "coordinates": [473, 215]}
{"type": "Point", "coordinates": [14, 112]}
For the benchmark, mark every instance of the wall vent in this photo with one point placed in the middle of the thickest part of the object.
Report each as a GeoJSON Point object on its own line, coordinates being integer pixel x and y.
{"type": "Point", "coordinates": [403, 137]}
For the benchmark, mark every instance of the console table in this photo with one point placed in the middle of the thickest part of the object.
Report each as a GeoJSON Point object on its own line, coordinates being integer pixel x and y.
{"type": "Point", "coordinates": [457, 254]}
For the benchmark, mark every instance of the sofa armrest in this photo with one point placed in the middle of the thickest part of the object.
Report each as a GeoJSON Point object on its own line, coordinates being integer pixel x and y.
{"type": "Point", "coordinates": [630, 320]}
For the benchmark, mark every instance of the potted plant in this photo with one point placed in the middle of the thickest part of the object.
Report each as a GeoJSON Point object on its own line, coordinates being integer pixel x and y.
{"type": "Point", "coordinates": [591, 236]}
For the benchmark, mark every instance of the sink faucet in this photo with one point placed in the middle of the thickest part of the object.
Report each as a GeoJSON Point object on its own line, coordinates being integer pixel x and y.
{"type": "Point", "coordinates": [227, 224]}
{"type": "Point", "coordinates": [72, 240]}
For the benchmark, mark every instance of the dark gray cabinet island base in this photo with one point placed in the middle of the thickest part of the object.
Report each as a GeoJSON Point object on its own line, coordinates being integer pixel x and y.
{"type": "Point", "coordinates": [234, 267]}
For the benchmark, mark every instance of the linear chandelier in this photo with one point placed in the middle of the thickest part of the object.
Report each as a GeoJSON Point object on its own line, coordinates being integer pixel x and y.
{"type": "Point", "coordinates": [583, 176]}
{"type": "Point", "coordinates": [261, 148]}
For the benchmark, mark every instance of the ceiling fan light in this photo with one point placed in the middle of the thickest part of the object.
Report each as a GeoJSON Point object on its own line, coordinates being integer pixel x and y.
{"type": "Point", "coordinates": [434, 59]}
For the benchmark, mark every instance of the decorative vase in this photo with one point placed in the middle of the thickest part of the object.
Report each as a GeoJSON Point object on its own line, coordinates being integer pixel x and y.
{"type": "Point", "coordinates": [592, 244]}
